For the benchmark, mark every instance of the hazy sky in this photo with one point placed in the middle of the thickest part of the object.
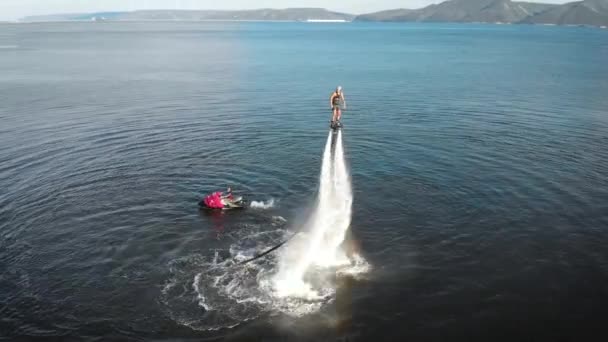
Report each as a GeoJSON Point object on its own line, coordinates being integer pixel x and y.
{"type": "Point", "coordinates": [14, 9]}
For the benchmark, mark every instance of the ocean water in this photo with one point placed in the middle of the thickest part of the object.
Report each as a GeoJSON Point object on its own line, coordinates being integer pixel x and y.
{"type": "Point", "coordinates": [477, 154]}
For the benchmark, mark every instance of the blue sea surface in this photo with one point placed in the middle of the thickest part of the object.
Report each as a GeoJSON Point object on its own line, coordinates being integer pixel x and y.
{"type": "Point", "coordinates": [478, 154]}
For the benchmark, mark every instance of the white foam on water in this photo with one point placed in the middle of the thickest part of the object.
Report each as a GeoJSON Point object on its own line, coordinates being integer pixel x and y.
{"type": "Point", "coordinates": [200, 296]}
{"type": "Point", "coordinates": [278, 219]}
{"type": "Point", "coordinates": [262, 205]}
{"type": "Point", "coordinates": [210, 291]}
{"type": "Point", "coordinates": [358, 266]}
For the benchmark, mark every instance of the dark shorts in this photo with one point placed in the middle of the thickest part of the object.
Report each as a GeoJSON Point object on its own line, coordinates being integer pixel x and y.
{"type": "Point", "coordinates": [336, 107]}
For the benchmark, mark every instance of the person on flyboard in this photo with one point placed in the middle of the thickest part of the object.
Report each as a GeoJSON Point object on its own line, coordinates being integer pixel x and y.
{"type": "Point", "coordinates": [337, 102]}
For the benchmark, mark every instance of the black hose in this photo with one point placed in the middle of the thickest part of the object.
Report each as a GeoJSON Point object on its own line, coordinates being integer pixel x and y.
{"type": "Point", "coordinates": [266, 252]}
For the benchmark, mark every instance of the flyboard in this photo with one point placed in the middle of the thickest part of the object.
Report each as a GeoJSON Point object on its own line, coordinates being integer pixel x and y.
{"type": "Point", "coordinates": [335, 126]}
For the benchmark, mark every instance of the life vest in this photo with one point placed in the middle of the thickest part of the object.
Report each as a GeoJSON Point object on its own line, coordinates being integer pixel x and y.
{"type": "Point", "coordinates": [336, 98]}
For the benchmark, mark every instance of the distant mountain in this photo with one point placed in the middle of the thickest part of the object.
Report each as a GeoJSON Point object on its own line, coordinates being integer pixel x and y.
{"type": "Point", "coordinates": [73, 17]}
{"type": "Point", "coordinates": [289, 14]}
{"type": "Point", "coordinates": [505, 11]}
{"type": "Point", "coordinates": [401, 14]}
{"type": "Point", "coordinates": [587, 12]}
{"type": "Point", "coordinates": [50, 17]}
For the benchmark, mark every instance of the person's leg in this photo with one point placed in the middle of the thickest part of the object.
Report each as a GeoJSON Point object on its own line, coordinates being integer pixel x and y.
{"type": "Point", "coordinates": [339, 113]}
{"type": "Point", "coordinates": [335, 114]}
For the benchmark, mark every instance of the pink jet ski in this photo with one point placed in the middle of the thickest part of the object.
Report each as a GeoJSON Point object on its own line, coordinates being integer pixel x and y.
{"type": "Point", "coordinates": [219, 201]}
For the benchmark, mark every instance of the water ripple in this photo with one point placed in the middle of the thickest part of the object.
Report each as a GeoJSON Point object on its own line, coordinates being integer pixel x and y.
{"type": "Point", "coordinates": [477, 189]}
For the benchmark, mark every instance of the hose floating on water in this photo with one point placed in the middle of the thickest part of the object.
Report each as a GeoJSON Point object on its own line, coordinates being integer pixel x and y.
{"type": "Point", "coordinates": [266, 252]}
